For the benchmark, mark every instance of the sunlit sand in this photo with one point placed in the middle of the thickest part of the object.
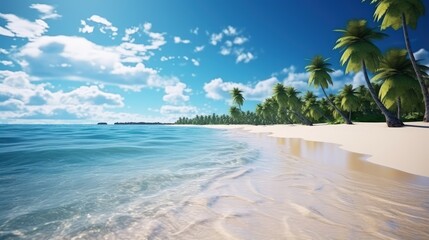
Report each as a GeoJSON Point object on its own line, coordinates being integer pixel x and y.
{"type": "Point", "coordinates": [404, 149]}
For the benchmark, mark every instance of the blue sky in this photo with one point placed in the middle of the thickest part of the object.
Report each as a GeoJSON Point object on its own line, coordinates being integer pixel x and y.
{"type": "Point", "coordinates": [138, 60]}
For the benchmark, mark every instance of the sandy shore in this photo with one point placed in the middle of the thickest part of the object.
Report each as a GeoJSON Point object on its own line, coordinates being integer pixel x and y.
{"type": "Point", "coordinates": [404, 149]}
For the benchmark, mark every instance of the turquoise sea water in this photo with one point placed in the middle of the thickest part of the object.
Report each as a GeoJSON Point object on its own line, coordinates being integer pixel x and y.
{"type": "Point", "coordinates": [65, 181]}
{"type": "Point", "coordinates": [171, 182]}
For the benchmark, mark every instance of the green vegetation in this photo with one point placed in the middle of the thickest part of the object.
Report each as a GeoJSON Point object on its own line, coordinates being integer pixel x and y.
{"type": "Point", "coordinates": [399, 85]}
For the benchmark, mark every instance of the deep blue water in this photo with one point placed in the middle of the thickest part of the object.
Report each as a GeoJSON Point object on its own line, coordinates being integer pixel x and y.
{"type": "Point", "coordinates": [64, 181]}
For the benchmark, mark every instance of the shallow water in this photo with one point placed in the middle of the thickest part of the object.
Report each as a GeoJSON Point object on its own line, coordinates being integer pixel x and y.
{"type": "Point", "coordinates": [166, 182]}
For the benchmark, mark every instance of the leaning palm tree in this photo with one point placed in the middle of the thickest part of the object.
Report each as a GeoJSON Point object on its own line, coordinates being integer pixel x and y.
{"type": "Point", "coordinates": [397, 78]}
{"type": "Point", "coordinates": [312, 107]}
{"type": "Point", "coordinates": [319, 70]}
{"type": "Point", "coordinates": [361, 54]}
{"type": "Point", "coordinates": [349, 99]}
{"type": "Point", "coordinates": [287, 98]}
{"type": "Point", "coordinates": [400, 14]}
{"type": "Point", "coordinates": [237, 97]}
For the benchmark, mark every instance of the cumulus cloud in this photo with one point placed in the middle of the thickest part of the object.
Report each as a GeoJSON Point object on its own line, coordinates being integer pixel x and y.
{"type": "Point", "coordinates": [180, 40]}
{"type": "Point", "coordinates": [104, 24]}
{"type": "Point", "coordinates": [6, 32]}
{"type": "Point", "coordinates": [4, 51]}
{"type": "Point", "coordinates": [216, 38]}
{"type": "Point", "coordinates": [195, 62]}
{"type": "Point", "coordinates": [422, 55]}
{"type": "Point", "coordinates": [217, 89]}
{"type": "Point", "coordinates": [230, 31]}
{"type": "Point", "coordinates": [298, 80]}
{"type": "Point", "coordinates": [176, 94]}
{"type": "Point", "coordinates": [358, 79]}
{"type": "Point", "coordinates": [85, 27]}
{"type": "Point", "coordinates": [47, 11]}
{"type": "Point", "coordinates": [244, 57]}
{"type": "Point", "coordinates": [119, 65]}
{"type": "Point", "coordinates": [22, 28]}
{"type": "Point", "coordinates": [128, 34]}
{"type": "Point", "coordinates": [232, 43]}
{"type": "Point", "coordinates": [240, 40]}
{"type": "Point", "coordinates": [199, 48]}
{"type": "Point", "coordinates": [195, 31]}
{"type": "Point", "coordinates": [6, 63]}
{"type": "Point", "coordinates": [26, 100]}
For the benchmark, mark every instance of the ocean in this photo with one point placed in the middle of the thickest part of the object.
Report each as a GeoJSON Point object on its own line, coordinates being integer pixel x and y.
{"type": "Point", "coordinates": [83, 180]}
{"type": "Point", "coordinates": [171, 182]}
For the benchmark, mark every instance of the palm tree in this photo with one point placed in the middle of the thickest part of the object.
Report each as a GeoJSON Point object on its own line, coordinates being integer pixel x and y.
{"type": "Point", "coordinates": [361, 54]}
{"type": "Point", "coordinates": [403, 13]}
{"type": "Point", "coordinates": [349, 99]}
{"type": "Point", "coordinates": [286, 103]}
{"type": "Point", "coordinates": [319, 70]}
{"type": "Point", "coordinates": [235, 112]}
{"type": "Point", "coordinates": [237, 97]}
{"type": "Point", "coordinates": [397, 78]}
{"type": "Point", "coordinates": [312, 107]}
{"type": "Point", "coordinates": [295, 105]}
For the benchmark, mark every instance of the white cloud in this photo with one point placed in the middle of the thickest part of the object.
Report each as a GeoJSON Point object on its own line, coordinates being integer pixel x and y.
{"type": "Point", "coordinates": [6, 32]}
{"type": "Point", "coordinates": [4, 51]}
{"type": "Point", "coordinates": [105, 25]}
{"type": "Point", "coordinates": [118, 65]}
{"type": "Point", "coordinates": [165, 58]}
{"type": "Point", "coordinates": [225, 51]}
{"type": "Point", "coordinates": [101, 20]}
{"type": "Point", "coordinates": [175, 94]}
{"type": "Point", "coordinates": [422, 55]}
{"type": "Point", "coordinates": [147, 26]}
{"type": "Point", "coordinates": [128, 33]}
{"type": "Point", "coordinates": [85, 27]}
{"type": "Point", "coordinates": [298, 80]}
{"type": "Point", "coordinates": [230, 31]}
{"type": "Point", "coordinates": [19, 27]}
{"type": "Point", "coordinates": [244, 57]}
{"type": "Point", "coordinates": [216, 38]}
{"type": "Point", "coordinates": [48, 11]}
{"type": "Point", "coordinates": [6, 63]}
{"type": "Point", "coordinates": [240, 40]}
{"type": "Point", "coordinates": [199, 48]}
{"type": "Point", "coordinates": [217, 89]}
{"type": "Point", "coordinates": [180, 40]}
{"type": "Point", "coordinates": [232, 44]}
{"type": "Point", "coordinates": [195, 62]}
{"type": "Point", "coordinates": [358, 79]}
{"type": "Point", "coordinates": [195, 31]}
{"type": "Point", "coordinates": [25, 100]}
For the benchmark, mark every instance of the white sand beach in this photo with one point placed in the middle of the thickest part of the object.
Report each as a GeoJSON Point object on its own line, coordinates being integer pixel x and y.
{"type": "Point", "coordinates": [404, 149]}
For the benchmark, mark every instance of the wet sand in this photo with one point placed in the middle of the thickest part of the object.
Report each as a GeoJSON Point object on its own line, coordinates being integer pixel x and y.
{"type": "Point", "coordinates": [302, 190]}
{"type": "Point", "coordinates": [404, 149]}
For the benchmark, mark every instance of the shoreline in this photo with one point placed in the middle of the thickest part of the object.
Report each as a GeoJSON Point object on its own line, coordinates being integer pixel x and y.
{"type": "Point", "coordinates": [402, 149]}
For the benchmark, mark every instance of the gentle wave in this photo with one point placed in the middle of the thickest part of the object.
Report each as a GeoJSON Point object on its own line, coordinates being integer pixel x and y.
{"type": "Point", "coordinates": [166, 182]}
{"type": "Point", "coordinates": [64, 181]}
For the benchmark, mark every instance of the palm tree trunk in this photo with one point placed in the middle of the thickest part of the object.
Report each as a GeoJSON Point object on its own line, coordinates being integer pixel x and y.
{"type": "Point", "coordinates": [324, 115]}
{"type": "Point", "coordinates": [391, 120]}
{"type": "Point", "coordinates": [398, 104]}
{"type": "Point", "coordinates": [303, 119]}
{"type": "Point", "coordinates": [347, 120]}
{"type": "Point", "coordinates": [350, 114]}
{"type": "Point", "coordinates": [423, 86]}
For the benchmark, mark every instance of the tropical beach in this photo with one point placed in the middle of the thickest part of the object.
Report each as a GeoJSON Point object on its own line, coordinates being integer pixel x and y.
{"type": "Point", "coordinates": [190, 119]}
{"type": "Point", "coordinates": [402, 149]}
